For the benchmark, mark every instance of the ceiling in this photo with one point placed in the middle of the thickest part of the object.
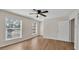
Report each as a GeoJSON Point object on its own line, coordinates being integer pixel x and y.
{"type": "Point", "coordinates": [52, 13]}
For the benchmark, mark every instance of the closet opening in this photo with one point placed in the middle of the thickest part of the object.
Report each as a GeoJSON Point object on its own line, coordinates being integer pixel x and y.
{"type": "Point", "coordinates": [72, 30]}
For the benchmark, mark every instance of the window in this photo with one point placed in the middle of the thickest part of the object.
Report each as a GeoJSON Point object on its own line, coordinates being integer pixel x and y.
{"type": "Point", "coordinates": [34, 28]}
{"type": "Point", "coordinates": [13, 28]}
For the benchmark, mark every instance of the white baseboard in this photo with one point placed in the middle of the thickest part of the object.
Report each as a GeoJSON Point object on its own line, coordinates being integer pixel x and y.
{"type": "Point", "coordinates": [49, 37]}
{"type": "Point", "coordinates": [55, 38]}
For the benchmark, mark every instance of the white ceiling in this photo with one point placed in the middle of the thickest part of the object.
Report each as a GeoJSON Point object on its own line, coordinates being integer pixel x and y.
{"type": "Point", "coordinates": [52, 13]}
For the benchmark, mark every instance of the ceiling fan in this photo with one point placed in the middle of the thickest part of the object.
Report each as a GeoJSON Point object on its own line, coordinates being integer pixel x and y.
{"type": "Point", "coordinates": [39, 12]}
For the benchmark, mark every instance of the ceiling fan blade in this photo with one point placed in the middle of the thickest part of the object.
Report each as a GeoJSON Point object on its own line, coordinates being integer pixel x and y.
{"type": "Point", "coordinates": [42, 14]}
{"type": "Point", "coordinates": [35, 10]}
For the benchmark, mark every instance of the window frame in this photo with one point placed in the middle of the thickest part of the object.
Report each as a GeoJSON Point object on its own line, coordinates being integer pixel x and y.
{"type": "Point", "coordinates": [34, 28]}
{"type": "Point", "coordinates": [6, 38]}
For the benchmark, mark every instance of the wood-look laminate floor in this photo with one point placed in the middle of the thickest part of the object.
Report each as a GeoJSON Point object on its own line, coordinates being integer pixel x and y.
{"type": "Point", "coordinates": [40, 43]}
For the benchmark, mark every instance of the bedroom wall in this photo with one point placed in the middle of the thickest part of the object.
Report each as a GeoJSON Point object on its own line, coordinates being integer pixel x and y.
{"type": "Point", "coordinates": [57, 28]}
{"type": "Point", "coordinates": [50, 28]}
{"type": "Point", "coordinates": [63, 31]}
{"type": "Point", "coordinates": [26, 28]}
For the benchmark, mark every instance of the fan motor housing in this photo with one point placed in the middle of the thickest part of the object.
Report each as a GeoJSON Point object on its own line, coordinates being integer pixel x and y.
{"type": "Point", "coordinates": [39, 11]}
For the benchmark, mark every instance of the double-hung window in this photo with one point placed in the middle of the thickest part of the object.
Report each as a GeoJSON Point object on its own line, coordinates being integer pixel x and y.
{"type": "Point", "coordinates": [34, 28]}
{"type": "Point", "coordinates": [13, 28]}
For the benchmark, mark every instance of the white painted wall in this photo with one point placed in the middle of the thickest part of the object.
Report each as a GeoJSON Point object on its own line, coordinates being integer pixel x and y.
{"type": "Point", "coordinates": [57, 28]}
{"type": "Point", "coordinates": [42, 28]}
{"type": "Point", "coordinates": [50, 28]}
{"type": "Point", "coordinates": [63, 31]}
